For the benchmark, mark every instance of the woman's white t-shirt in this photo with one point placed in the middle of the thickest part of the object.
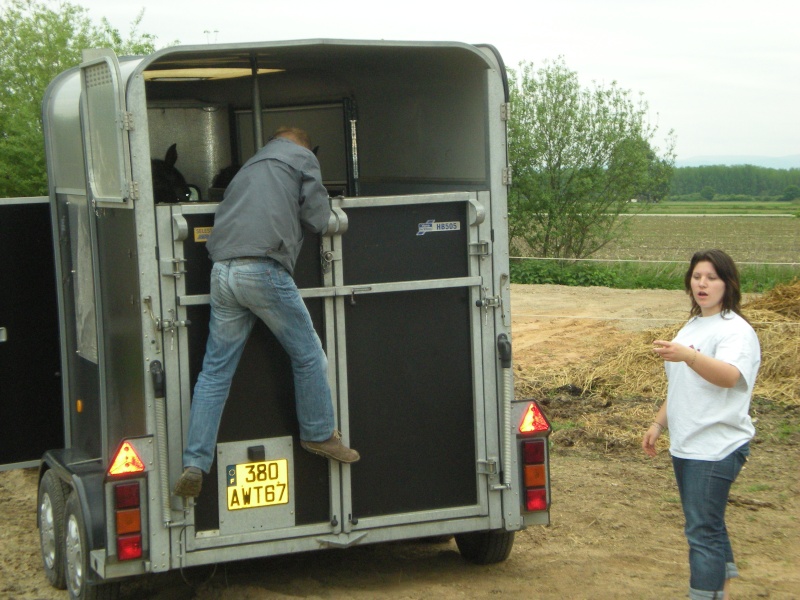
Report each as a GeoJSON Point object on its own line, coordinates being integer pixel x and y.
{"type": "Point", "coordinates": [706, 421]}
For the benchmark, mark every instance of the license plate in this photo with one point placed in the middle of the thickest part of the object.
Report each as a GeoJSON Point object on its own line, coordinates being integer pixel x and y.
{"type": "Point", "coordinates": [251, 485]}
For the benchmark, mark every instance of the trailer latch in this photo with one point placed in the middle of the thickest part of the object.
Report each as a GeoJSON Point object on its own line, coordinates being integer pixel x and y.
{"type": "Point", "coordinates": [489, 302]}
{"type": "Point", "coordinates": [327, 257]}
{"type": "Point", "coordinates": [171, 324]}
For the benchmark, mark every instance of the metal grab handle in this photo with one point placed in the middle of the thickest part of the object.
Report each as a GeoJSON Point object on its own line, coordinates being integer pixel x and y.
{"type": "Point", "coordinates": [3, 334]}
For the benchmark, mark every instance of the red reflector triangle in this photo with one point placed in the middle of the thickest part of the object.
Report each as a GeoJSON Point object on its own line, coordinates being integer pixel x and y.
{"type": "Point", "coordinates": [533, 421]}
{"type": "Point", "coordinates": [126, 461]}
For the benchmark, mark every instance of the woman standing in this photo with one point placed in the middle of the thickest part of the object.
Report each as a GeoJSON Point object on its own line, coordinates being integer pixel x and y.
{"type": "Point", "coordinates": [711, 368]}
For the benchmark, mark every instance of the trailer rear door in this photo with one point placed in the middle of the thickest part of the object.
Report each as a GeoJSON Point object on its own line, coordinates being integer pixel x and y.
{"type": "Point", "coordinates": [394, 302]}
{"type": "Point", "coordinates": [31, 411]}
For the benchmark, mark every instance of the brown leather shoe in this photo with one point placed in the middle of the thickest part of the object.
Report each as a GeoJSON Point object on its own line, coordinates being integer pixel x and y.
{"type": "Point", "coordinates": [332, 448]}
{"type": "Point", "coordinates": [189, 483]}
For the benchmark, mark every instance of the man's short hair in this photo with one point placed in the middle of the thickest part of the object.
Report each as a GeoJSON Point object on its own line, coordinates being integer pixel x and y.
{"type": "Point", "coordinates": [295, 134]}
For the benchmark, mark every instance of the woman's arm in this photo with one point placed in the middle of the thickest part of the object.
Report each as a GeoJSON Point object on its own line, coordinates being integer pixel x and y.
{"type": "Point", "coordinates": [712, 370]}
{"type": "Point", "coordinates": [652, 434]}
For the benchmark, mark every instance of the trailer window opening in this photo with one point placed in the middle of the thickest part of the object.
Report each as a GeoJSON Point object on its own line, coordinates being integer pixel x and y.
{"type": "Point", "coordinates": [204, 73]}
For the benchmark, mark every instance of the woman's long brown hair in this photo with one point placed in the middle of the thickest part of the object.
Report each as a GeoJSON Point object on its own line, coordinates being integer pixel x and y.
{"type": "Point", "coordinates": [726, 270]}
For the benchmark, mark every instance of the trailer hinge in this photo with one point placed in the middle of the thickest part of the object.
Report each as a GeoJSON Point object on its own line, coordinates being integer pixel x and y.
{"type": "Point", "coordinates": [133, 190]}
{"type": "Point", "coordinates": [506, 175]}
{"type": "Point", "coordinates": [487, 467]}
{"type": "Point", "coordinates": [505, 111]}
{"type": "Point", "coordinates": [127, 120]}
{"type": "Point", "coordinates": [481, 248]}
{"type": "Point", "coordinates": [173, 267]}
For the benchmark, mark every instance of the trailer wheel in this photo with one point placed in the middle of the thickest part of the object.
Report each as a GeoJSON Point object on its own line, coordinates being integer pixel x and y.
{"type": "Point", "coordinates": [485, 547]}
{"type": "Point", "coordinates": [76, 558]}
{"type": "Point", "coordinates": [50, 520]}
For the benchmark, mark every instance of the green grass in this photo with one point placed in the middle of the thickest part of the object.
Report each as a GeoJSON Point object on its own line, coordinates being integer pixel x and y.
{"type": "Point", "coordinates": [787, 430]}
{"type": "Point", "coordinates": [717, 207]}
{"type": "Point", "coordinates": [635, 275]}
{"type": "Point", "coordinates": [758, 487]}
{"type": "Point", "coordinates": [559, 425]}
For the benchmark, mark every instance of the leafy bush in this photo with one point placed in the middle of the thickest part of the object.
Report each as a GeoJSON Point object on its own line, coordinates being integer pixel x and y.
{"type": "Point", "coordinates": [563, 273]}
{"type": "Point", "coordinates": [637, 275]}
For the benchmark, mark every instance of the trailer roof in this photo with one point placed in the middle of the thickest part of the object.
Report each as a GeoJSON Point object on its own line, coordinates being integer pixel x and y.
{"type": "Point", "coordinates": [238, 60]}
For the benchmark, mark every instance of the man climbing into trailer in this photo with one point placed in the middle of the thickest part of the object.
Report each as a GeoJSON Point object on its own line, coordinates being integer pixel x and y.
{"type": "Point", "coordinates": [257, 236]}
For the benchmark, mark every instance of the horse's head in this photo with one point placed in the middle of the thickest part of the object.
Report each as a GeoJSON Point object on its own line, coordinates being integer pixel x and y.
{"type": "Point", "coordinates": [169, 184]}
{"type": "Point", "coordinates": [225, 176]}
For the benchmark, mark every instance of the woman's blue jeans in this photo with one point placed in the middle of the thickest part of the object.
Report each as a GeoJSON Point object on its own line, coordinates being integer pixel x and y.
{"type": "Point", "coordinates": [704, 487]}
{"type": "Point", "coordinates": [242, 290]}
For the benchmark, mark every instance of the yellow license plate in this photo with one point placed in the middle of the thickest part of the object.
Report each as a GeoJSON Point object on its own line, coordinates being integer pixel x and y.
{"type": "Point", "coordinates": [251, 485]}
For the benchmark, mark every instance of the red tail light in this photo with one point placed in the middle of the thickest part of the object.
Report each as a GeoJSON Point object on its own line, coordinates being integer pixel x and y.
{"type": "Point", "coordinates": [536, 499]}
{"type": "Point", "coordinates": [128, 519]}
{"type": "Point", "coordinates": [126, 495]}
{"type": "Point", "coordinates": [129, 546]}
{"type": "Point", "coordinates": [534, 473]}
{"type": "Point", "coordinates": [533, 452]}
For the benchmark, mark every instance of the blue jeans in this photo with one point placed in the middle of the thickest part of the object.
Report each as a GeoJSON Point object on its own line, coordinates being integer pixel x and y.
{"type": "Point", "coordinates": [242, 290]}
{"type": "Point", "coordinates": [704, 487]}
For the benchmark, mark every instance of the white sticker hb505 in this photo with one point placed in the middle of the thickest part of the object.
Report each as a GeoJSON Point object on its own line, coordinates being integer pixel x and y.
{"type": "Point", "coordinates": [431, 226]}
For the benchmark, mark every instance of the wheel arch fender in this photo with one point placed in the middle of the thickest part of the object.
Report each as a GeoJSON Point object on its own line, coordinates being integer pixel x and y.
{"type": "Point", "coordinates": [86, 479]}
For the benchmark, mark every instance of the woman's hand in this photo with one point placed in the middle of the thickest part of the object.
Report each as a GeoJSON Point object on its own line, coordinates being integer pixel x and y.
{"type": "Point", "coordinates": [650, 438]}
{"type": "Point", "coordinates": [711, 369]}
{"type": "Point", "coordinates": [673, 351]}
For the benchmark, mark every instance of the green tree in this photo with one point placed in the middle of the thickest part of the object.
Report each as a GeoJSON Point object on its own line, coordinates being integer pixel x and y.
{"type": "Point", "coordinates": [36, 44]}
{"type": "Point", "coordinates": [578, 157]}
{"type": "Point", "coordinates": [707, 193]}
{"type": "Point", "coordinates": [791, 192]}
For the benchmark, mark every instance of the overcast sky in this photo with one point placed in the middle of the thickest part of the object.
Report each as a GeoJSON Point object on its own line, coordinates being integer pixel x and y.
{"type": "Point", "coordinates": [723, 74]}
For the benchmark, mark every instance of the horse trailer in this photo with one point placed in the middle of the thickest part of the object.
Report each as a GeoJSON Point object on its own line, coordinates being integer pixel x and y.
{"type": "Point", "coordinates": [408, 289]}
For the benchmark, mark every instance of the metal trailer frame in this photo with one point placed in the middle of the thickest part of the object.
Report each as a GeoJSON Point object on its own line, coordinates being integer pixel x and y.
{"type": "Point", "coordinates": [424, 146]}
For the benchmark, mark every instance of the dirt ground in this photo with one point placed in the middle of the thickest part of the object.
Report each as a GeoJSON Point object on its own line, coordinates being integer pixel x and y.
{"type": "Point", "coordinates": [616, 527]}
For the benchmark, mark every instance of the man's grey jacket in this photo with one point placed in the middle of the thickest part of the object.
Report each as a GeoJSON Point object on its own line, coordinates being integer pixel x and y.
{"type": "Point", "coordinates": [275, 194]}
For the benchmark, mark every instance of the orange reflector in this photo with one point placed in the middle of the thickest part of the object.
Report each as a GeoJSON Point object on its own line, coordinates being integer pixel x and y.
{"type": "Point", "coordinates": [129, 546]}
{"type": "Point", "coordinates": [129, 521]}
{"type": "Point", "coordinates": [79, 406]}
{"type": "Point", "coordinates": [535, 476]}
{"type": "Point", "coordinates": [126, 461]}
{"type": "Point", "coordinates": [533, 421]}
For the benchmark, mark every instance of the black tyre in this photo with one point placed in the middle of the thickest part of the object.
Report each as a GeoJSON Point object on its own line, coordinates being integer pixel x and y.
{"type": "Point", "coordinates": [436, 539]}
{"type": "Point", "coordinates": [76, 558]}
{"type": "Point", "coordinates": [485, 547]}
{"type": "Point", "coordinates": [50, 520]}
